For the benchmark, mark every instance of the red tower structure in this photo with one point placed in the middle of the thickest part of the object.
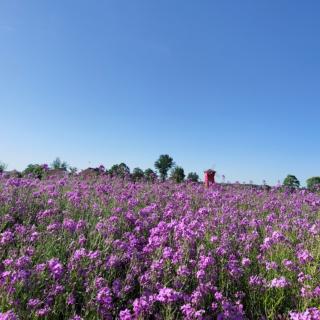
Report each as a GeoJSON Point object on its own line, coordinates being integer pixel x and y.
{"type": "Point", "coordinates": [209, 177]}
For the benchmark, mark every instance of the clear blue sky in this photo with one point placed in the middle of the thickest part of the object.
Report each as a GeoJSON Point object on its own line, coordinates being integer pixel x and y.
{"type": "Point", "coordinates": [229, 84]}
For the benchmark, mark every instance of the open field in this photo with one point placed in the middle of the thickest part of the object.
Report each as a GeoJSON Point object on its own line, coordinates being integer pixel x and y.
{"type": "Point", "coordinates": [106, 248]}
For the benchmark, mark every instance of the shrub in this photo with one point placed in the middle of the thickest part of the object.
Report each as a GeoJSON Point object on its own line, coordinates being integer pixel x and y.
{"type": "Point", "coordinates": [291, 181]}
{"type": "Point", "coordinates": [163, 165]}
{"type": "Point", "coordinates": [177, 174]}
{"type": "Point", "coordinates": [193, 176]}
{"type": "Point", "coordinates": [313, 183]}
{"type": "Point", "coordinates": [137, 174]}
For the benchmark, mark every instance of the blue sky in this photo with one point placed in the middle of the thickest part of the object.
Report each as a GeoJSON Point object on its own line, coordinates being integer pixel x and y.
{"type": "Point", "coordinates": [232, 85]}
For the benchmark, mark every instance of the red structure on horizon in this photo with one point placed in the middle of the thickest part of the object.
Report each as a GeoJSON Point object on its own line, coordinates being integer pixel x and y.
{"type": "Point", "coordinates": [209, 177]}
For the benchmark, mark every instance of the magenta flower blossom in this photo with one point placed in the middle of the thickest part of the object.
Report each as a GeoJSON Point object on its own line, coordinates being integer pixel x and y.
{"type": "Point", "coordinates": [257, 281]}
{"type": "Point", "coordinates": [304, 256]}
{"type": "Point", "coordinates": [69, 225]}
{"type": "Point", "coordinates": [9, 315]}
{"type": "Point", "coordinates": [218, 296]}
{"type": "Point", "coordinates": [76, 317]}
{"type": "Point", "coordinates": [125, 315]}
{"type": "Point", "coordinates": [167, 295]}
{"type": "Point", "coordinates": [245, 262]}
{"type": "Point", "coordinates": [108, 247]}
{"type": "Point", "coordinates": [188, 311]}
{"type": "Point", "coordinates": [40, 267]}
{"type": "Point", "coordinates": [271, 265]}
{"type": "Point", "coordinates": [43, 312]}
{"type": "Point", "coordinates": [71, 300]}
{"type": "Point", "coordinates": [143, 304]}
{"type": "Point", "coordinates": [316, 292]}
{"type": "Point", "coordinates": [104, 297]}
{"type": "Point", "coordinates": [280, 282]}
{"type": "Point", "coordinates": [56, 268]}
{"type": "Point", "coordinates": [309, 314]}
{"type": "Point", "coordinates": [6, 237]}
{"type": "Point", "coordinates": [34, 303]}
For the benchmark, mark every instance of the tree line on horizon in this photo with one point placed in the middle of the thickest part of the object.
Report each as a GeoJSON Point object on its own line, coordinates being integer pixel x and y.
{"type": "Point", "coordinates": [292, 182]}
{"type": "Point", "coordinates": [164, 166]}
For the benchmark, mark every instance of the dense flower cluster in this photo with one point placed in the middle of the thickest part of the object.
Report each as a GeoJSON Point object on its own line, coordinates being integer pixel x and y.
{"type": "Point", "coordinates": [107, 248]}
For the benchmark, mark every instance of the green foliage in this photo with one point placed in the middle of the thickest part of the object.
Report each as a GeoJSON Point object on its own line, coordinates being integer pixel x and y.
{"type": "Point", "coordinates": [192, 176]}
{"type": "Point", "coordinates": [177, 174]}
{"type": "Point", "coordinates": [137, 174]}
{"type": "Point", "coordinates": [58, 164]}
{"type": "Point", "coordinates": [73, 170]}
{"type": "Point", "coordinates": [291, 181]}
{"type": "Point", "coordinates": [3, 166]}
{"type": "Point", "coordinates": [36, 170]}
{"type": "Point", "coordinates": [313, 182]}
{"type": "Point", "coordinates": [163, 165]}
{"type": "Point", "coordinates": [150, 175]}
{"type": "Point", "coordinates": [120, 170]}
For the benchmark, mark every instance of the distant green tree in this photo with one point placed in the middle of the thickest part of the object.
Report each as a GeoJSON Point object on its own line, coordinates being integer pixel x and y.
{"type": "Point", "coordinates": [3, 166]}
{"type": "Point", "coordinates": [73, 170]}
{"type": "Point", "coordinates": [137, 174]}
{"type": "Point", "coordinates": [113, 171]}
{"type": "Point", "coordinates": [313, 183]}
{"type": "Point", "coordinates": [291, 181]}
{"type": "Point", "coordinates": [192, 176]}
{"type": "Point", "coordinates": [36, 170]}
{"type": "Point", "coordinates": [120, 170]}
{"type": "Point", "coordinates": [123, 169]}
{"type": "Point", "coordinates": [163, 165]}
{"type": "Point", "coordinates": [177, 174]}
{"type": "Point", "coordinates": [58, 164]}
{"type": "Point", "coordinates": [150, 175]}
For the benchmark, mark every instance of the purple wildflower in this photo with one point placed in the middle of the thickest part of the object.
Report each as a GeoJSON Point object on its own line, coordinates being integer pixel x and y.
{"type": "Point", "coordinates": [56, 268]}
{"type": "Point", "coordinates": [104, 298]}
{"type": "Point", "coordinates": [309, 314]}
{"type": "Point", "coordinates": [281, 282]}
{"type": "Point", "coordinates": [9, 315]}
{"type": "Point", "coordinates": [167, 295]}
{"type": "Point", "coordinates": [125, 315]}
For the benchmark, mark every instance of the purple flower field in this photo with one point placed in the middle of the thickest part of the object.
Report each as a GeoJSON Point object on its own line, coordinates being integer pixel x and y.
{"type": "Point", "coordinates": [107, 248]}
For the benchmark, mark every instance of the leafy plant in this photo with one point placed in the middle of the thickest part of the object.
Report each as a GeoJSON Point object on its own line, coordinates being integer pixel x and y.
{"type": "Point", "coordinates": [36, 170]}
{"type": "Point", "coordinates": [313, 183]}
{"type": "Point", "coordinates": [137, 174]}
{"type": "Point", "coordinates": [73, 170]}
{"type": "Point", "coordinates": [193, 176]}
{"type": "Point", "coordinates": [58, 164]}
{"type": "Point", "coordinates": [150, 175]}
{"type": "Point", "coordinates": [163, 165]}
{"type": "Point", "coordinates": [3, 166]}
{"type": "Point", "coordinates": [291, 181]}
{"type": "Point", "coordinates": [177, 174]}
{"type": "Point", "coordinates": [120, 170]}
